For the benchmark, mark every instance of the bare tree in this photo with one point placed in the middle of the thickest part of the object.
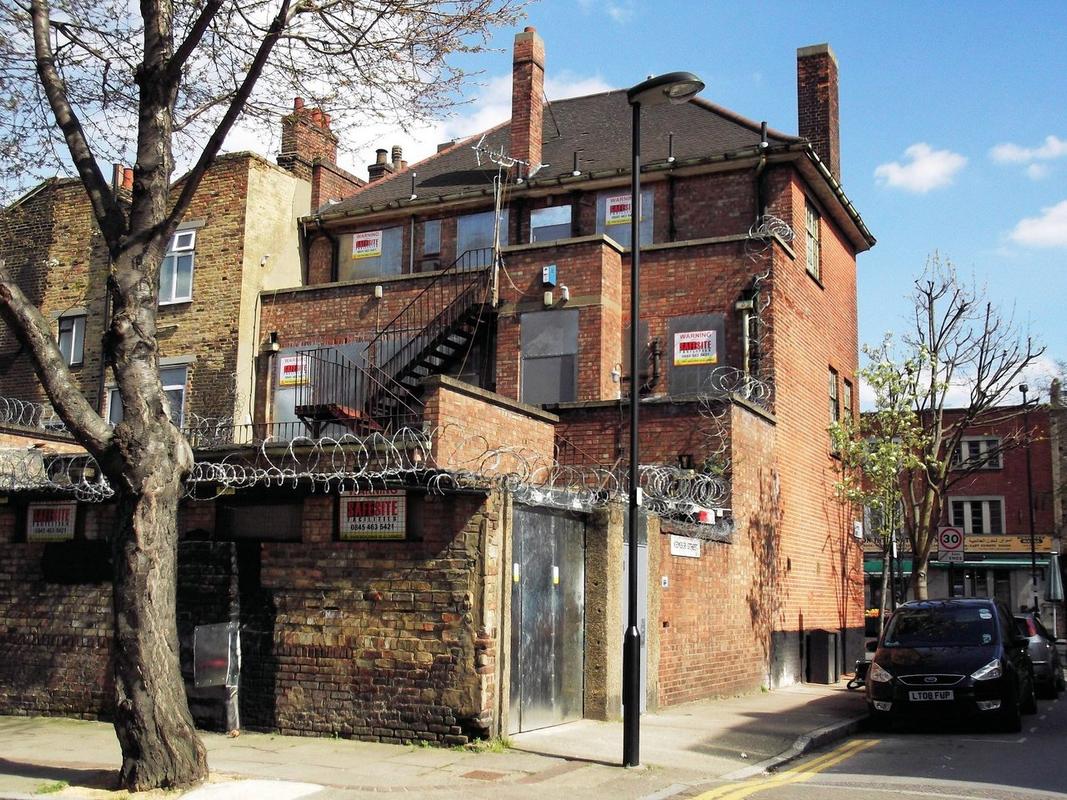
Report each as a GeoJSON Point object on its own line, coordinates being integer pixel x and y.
{"type": "Point", "coordinates": [86, 81]}
{"type": "Point", "coordinates": [960, 345]}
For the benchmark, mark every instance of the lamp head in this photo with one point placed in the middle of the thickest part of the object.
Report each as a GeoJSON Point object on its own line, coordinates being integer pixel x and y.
{"type": "Point", "coordinates": [674, 88]}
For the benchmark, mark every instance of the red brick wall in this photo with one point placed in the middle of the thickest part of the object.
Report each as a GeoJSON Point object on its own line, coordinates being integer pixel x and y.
{"type": "Point", "coordinates": [382, 641]}
{"type": "Point", "coordinates": [814, 329]}
{"type": "Point", "coordinates": [461, 416]}
{"type": "Point", "coordinates": [716, 611]}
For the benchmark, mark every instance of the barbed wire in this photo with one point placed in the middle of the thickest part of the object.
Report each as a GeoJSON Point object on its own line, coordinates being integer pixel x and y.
{"type": "Point", "coordinates": [30, 414]}
{"type": "Point", "coordinates": [442, 460]}
{"type": "Point", "coordinates": [758, 244]}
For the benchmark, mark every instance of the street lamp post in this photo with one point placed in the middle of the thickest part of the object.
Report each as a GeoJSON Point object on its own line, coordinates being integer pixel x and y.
{"type": "Point", "coordinates": [675, 88]}
{"type": "Point", "coordinates": [1030, 495]}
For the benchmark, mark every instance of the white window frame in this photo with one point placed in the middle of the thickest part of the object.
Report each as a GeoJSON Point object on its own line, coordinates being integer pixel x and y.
{"type": "Point", "coordinates": [113, 394]}
{"type": "Point", "coordinates": [813, 250]}
{"type": "Point", "coordinates": [980, 459]}
{"type": "Point", "coordinates": [984, 503]}
{"type": "Point", "coordinates": [75, 357]}
{"type": "Point", "coordinates": [181, 243]}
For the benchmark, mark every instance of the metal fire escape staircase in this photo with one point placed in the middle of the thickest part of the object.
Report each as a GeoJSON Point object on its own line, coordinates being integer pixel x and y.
{"type": "Point", "coordinates": [432, 333]}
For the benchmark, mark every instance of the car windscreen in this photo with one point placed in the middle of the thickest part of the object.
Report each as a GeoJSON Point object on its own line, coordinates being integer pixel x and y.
{"type": "Point", "coordinates": [945, 626]}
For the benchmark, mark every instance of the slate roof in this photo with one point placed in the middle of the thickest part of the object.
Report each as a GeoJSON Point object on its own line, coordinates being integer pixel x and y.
{"type": "Point", "coordinates": [597, 126]}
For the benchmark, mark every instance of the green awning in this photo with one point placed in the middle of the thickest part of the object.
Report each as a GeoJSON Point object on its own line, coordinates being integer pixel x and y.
{"type": "Point", "coordinates": [873, 566]}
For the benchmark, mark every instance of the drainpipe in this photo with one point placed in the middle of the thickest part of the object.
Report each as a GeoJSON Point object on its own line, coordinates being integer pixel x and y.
{"type": "Point", "coordinates": [760, 166]}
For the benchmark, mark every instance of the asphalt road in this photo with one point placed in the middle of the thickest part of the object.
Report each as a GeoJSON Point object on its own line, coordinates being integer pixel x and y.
{"type": "Point", "coordinates": [927, 761]}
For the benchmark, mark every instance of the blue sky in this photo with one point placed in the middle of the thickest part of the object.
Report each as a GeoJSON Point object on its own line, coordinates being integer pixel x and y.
{"type": "Point", "coordinates": [929, 88]}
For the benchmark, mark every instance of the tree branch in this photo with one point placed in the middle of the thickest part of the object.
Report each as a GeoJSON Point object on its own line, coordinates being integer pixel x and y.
{"type": "Point", "coordinates": [215, 141]}
{"type": "Point", "coordinates": [34, 333]}
{"type": "Point", "coordinates": [108, 214]}
{"type": "Point", "coordinates": [196, 33]}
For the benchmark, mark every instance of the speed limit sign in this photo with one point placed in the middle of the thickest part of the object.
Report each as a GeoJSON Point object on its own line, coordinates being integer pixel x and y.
{"type": "Point", "coordinates": [950, 544]}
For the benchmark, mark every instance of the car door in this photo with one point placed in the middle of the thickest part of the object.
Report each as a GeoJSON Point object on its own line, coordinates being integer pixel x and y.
{"type": "Point", "coordinates": [1015, 652]}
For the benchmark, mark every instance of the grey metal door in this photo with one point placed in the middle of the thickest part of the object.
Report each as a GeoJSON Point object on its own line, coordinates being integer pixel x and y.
{"type": "Point", "coordinates": [547, 618]}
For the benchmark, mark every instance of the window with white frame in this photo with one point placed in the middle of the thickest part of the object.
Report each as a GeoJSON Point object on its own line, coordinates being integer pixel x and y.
{"type": "Point", "coordinates": [173, 380]}
{"type": "Point", "coordinates": [835, 404]}
{"type": "Point", "coordinates": [977, 452]}
{"type": "Point", "coordinates": [977, 514]}
{"type": "Point", "coordinates": [176, 271]}
{"type": "Point", "coordinates": [846, 399]}
{"type": "Point", "coordinates": [811, 227]}
{"type": "Point", "coordinates": [72, 339]}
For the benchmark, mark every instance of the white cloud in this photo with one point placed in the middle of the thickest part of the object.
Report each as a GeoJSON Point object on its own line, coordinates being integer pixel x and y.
{"type": "Point", "coordinates": [1036, 172]}
{"type": "Point", "coordinates": [1049, 229]}
{"type": "Point", "coordinates": [620, 11]}
{"type": "Point", "coordinates": [925, 169]}
{"type": "Point", "coordinates": [1008, 153]}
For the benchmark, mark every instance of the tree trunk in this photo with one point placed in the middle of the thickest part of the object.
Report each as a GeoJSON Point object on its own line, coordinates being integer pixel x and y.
{"type": "Point", "coordinates": [919, 567]}
{"type": "Point", "coordinates": [160, 747]}
{"type": "Point", "coordinates": [883, 611]}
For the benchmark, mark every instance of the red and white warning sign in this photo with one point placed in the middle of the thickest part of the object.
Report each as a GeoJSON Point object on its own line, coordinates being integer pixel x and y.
{"type": "Point", "coordinates": [695, 347]}
{"type": "Point", "coordinates": [292, 370]}
{"type": "Point", "coordinates": [367, 244]}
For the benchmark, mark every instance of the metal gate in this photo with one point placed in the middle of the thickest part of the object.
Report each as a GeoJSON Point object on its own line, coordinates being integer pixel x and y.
{"type": "Point", "coordinates": [547, 618]}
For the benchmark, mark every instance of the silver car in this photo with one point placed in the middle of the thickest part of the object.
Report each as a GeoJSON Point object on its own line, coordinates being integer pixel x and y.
{"type": "Point", "coordinates": [1048, 671]}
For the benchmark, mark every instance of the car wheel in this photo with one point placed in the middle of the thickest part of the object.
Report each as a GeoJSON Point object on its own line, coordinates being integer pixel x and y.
{"type": "Point", "coordinates": [1029, 704]}
{"type": "Point", "coordinates": [1011, 719]}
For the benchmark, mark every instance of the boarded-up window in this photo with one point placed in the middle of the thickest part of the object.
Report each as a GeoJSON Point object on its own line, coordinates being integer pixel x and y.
{"type": "Point", "coordinates": [474, 237]}
{"type": "Point", "coordinates": [613, 215]}
{"type": "Point", "coordinates": [370, 254]}
{"type": "Point", "coordinates": [693, 351]}
{"type": "Point", "coordinates": [548, 224]}
{"type": "Point", "coordinates": [268, 522]}
{"type": "Point", "coordinates": [644, 353]}
{"type": "Point", "coordinates": [549, 346]}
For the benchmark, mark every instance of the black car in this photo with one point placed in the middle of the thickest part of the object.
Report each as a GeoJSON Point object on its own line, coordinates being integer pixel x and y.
{"type": "Point", "coordinates": [1048, 673]}
{"type": "Point", "coordinates": [942, 658]}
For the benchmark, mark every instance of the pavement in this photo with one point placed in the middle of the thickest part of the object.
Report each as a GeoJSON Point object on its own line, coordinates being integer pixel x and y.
{"type": "Point", "coordinates": [683, 749]}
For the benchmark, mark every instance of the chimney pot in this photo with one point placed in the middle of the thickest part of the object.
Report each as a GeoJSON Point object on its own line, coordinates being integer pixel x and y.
{"type": "Point", "coordinates": [396, 156]}
{"type": "Point", "coordinates": [381, 153]}
{"type": "Point", "coordinates": [298, 103]}
{"type": "Point", "coordinates": [127, 178]}
{"type": "Point", "coordinates": [116, 177]}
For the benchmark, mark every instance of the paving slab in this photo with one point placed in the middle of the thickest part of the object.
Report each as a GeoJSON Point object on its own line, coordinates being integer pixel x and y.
{"type": "Point", "coordinates": [681, 748]}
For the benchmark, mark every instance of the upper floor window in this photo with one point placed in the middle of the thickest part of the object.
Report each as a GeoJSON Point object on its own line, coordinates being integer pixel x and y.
{"type": "Point", "coordinates": [613, 215]}
{"type": "Point", "coordinates": [811, 227]}
{"type": "Point", "coordinates": [977, 452]}
{"type": "Point", "coordinates": [72, 339]}
{"type": "Point", "coordinates": [846, 399]}
{"type": "Point", "coordinates": [176, 271]}
{"type": "Point", "coordinates": [547, 224]}
{"type": "Point", "coordinates": [835, 404]}
{"type": "Point", "coordinates": [370, 254]}
{"type": "Point", "coordinates": [977, 514]}
{"type": "Point", "coordinates": [431, 237]}
{"type": "Point", "coordinates": [173, 380]}
{"type": "Point", "coordinates": [477, 236]}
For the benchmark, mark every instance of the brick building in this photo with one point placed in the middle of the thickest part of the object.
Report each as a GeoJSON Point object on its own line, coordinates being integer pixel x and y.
{"type": "Point", "coordinates": [478, 297]}
{"type": "Point", "coordinates": [1014, 492]}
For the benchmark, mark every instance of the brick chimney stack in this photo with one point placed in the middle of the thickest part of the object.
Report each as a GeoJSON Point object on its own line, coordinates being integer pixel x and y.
{"type": "Point", "coordinates": [817, 103]}
{"type": "Point", "coordinates": [381, 166]}
{"type": "Point", "coordinates": [527, 97]}
{"type": "Point", "coordinates": [306, 138]}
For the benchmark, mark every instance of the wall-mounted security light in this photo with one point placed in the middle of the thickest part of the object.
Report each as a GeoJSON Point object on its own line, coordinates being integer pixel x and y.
{"type": "Point", "coordinates": [378, 291]}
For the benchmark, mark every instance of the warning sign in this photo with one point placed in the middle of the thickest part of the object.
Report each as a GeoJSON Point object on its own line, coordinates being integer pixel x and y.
{"type": "Point", "coordinates": [950, 545]}
{"type": "Point", "coordinates": [694, 347]}
{"type": "Point", "coordinates": [367, 244]}
{"type": "Point", "coordinates": [50, 522]}
{"type": "Point", "coordinates": [292, 371]}
{"type": "Point", "coordinates": [373, 515]}
{"type": "Point", "coordinates": [617, 210]}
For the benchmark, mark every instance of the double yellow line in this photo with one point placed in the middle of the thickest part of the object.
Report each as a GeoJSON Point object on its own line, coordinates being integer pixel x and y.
{"type": "Point", "coordinates": [798, 774]}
